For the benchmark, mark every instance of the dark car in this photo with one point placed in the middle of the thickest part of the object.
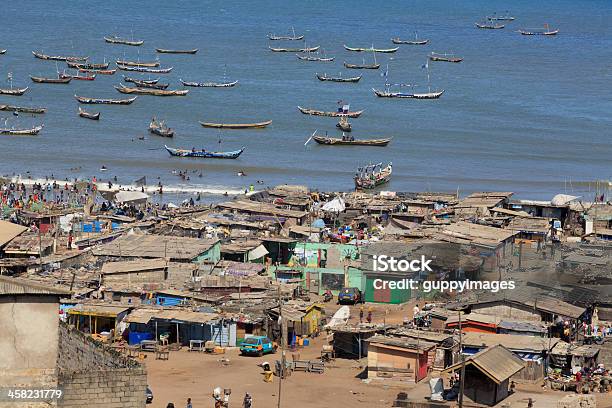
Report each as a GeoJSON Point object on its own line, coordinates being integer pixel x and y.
{"type": "Point", "coordinates": [149, 395]}
{"type": "Point", "coordinates": [349, 295]}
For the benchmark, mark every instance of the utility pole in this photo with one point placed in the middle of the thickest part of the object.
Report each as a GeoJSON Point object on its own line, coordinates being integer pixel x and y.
{"type": "Point", "coordinates": [281, 371]}
{"type": "Point", "coordinates": [462, 379]}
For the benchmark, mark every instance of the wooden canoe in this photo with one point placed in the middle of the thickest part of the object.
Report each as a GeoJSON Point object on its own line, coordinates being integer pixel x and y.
{"type": "Point", "coordinates": [309, 49]}
{"type": "Point", "coordinates": [88, 115]}
{"type": "Point", "coordinates": [23, 109]}
{"type": "Point", "coordinates": [41, 80]}
{"type": "Point", "coordinates": [137, 63]}
{"type": "Point", "coordinates": [87, 65]}
{"type": "Point", "coordinates": [148, 91]}
{"type": "Point", "coordinates": [257, 125]}
{"type": "Point", "coordinates": [21, 132]}
{"type": "Point", "coordinates": [210, 84]}
{"type": "Point", "coordinates": [58, 57]}
{"type": "Point", "coordinates": [204, 154]}
{"type": "Point", "coordinates": [339, 142]}
{"type": "Point", "coordinates": [361, 66]}
{"type": "Point", "coordinates": [409, 42]}
{"type": "Point", "coordinates": [99, 71]}
{"type": "Point", "coordinates": [118, 40]}
{"type": "Point", "coordinates": [314, 112]}
{"type": "Point", "coordinates": [148, 81]}
{"type": "Point", "coordinates": [145, 69]}
{"type": "Point", "coordinates": [104, 101]}
{"type": "Point", "coordinates": [444, 58]}
{"type": "Point", "coordinates": [371, 49]}
{"type": "Point", "coordinates": [165, 51]}
{"type": "Point", "coordinates": [13, 91]}
{"type": "Point", "coordinates": [324, 77]}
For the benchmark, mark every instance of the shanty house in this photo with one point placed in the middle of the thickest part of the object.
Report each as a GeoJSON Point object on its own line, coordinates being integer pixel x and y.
{"type": "Point", "coordinates": [398, 357]}
{"type": "Point", "coordinates": [98, 318]}
{"type": "Point", "coordinates": [488, 373]}
{"type": "Point", "coordinates": [143, 270]}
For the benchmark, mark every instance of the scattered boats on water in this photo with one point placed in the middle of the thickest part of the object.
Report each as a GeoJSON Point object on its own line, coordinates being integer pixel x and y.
{"type": "Point", "coordinates": [87, 65]}
{"type": "Point", "coordinates": [22, 109]}
{"type": "Point", "coordinates": [88, 115]}
{"type": "Point", "coordinates": [255, 125]}
{"type": "Point", "coordinates": [291, 37]}
{"type": "Point", "coordinates": [165, 51]}
{"type": "Point", "coordinates": [160, 128]}
{"type": "Point", "coordinates": [444, 57]}
{"type": "Point", "coordinates": [118, 40]}
{"type": "Point", "coordinates": [145, 69]}
{"type": "Point", "coordinates": [306, 49]}
{"type": "Point", "coordinates": [501, 17]}
{"type": "Point", "coordinates": [104, 101]}
{"type": "Point", "coordinates": [58, 57]}
{"type": "Point", "coordinates": [490, 25]}
{"type": "Point", "coordinates": [210, 84]}
{"type": "Point", "coordinates": [59, 80]}
{"type": "Point", "coordinates": [538, 31]}
{"type": "Point", "coordinates": [148, 91]}
{"type": "Point", "coordinates": [148, 81]}
{"type": "Point", "coordinates": [21, 132]}
{"type": "Point", "coordinates": [340, 112]}
{"type": "Point", "coordinates": [99, 71]}
{"type": "Point", "coordinates": [343, 124]}
{"type": "Point", "coordinates": [137, 63]}
{"type": "Point", "coordinates": [13, 91]}
{"type": "Point", "coordinates": [371, 49]}
{"type": "Point", "coordinates": [78, 77]}
{"type": "Point", "coordinates": [372, 176]}
{"type": "Point", "coordinates": [325, 77]}
{"type": "Point", "coordinates": [416, 40]}
{"type": "Point", "coordinates": [350, 141]}
{"type": "Point", "coordinates": [202, 153]}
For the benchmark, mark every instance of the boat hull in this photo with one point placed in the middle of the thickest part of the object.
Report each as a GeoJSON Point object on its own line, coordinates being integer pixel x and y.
{"type": "Point", "coordinates": [203, 154]}
{"type": "Point", "coordinates": [334, 141]}
{"type": "Point", "coordinates": [101, 101]}
{"type": "Point", "coordinates": [258, 125]}
{"type": "Point", "coordinates": [314, 112]}
{"type": "Point", "coordinates": [164, 51]}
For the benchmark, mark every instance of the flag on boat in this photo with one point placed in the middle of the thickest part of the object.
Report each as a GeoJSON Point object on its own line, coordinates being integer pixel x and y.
{"type": "Point", "coordinates": [141, 181]}
{"type": "Point", "coordinates": [425, 65]}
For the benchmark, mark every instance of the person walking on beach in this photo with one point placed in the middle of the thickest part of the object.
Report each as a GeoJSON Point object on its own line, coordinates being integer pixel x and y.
{"type": "Point", "coordinates": [189, 403]}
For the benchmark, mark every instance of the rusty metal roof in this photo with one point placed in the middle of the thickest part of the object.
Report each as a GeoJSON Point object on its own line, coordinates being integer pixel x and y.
{"type": "Point", "coordinates": [17, 286]}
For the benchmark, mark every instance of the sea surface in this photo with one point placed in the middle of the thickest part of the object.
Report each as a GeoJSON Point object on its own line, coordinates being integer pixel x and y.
{"type": "Point", "coordinates": [532, 115]}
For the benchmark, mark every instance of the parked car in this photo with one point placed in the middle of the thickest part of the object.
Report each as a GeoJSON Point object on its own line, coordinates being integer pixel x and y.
{"type": "Point", "coordinates": [257, 345]}
{"type": "Point", "coordinates": [349, 295]}
{"type": "Point", "coordinates": [149, 395]}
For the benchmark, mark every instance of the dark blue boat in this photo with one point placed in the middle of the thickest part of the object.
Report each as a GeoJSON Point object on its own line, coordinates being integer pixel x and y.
{"type": "Point", "coordinates": [204, 153]}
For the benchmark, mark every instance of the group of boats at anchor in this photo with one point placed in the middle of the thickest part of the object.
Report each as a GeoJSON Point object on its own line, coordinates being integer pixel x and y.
{"type": "Point", "coordinates": [499, 21]}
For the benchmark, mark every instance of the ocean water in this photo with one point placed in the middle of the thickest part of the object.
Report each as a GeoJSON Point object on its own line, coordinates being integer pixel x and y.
{"type": "Point", "coordinates": [531, 115]}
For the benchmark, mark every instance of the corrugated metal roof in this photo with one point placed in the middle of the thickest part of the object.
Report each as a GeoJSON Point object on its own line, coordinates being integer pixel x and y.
{"type": "Point", "coordinates": [17, 286]}
{"type": "Point", "coordinates": [8, 231]}
{"type": "Point", "coordinates": [513, 342]}
{"type": "Point", "coordinates": [497, 363]}
{"type": "Point", "coordinates": [134, 266]}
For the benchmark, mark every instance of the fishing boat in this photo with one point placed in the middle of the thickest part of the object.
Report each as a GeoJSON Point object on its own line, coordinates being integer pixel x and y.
{"type": "Point", "coordinates": [372, 176]}
{"type": "Point", "coordinates": [503, 17]}
{"type": "Point", "coordinates": [118, 40]}
{"type": "Point", "coordinates": [87, 115]}
{"type": "Point", "coordinates": [387, 93]}
{"type": "Point", "coordinates": [311, 58]}
{"type": "Point", "coordinates": [148, 81]}
{"type": "Point", "coordinates": [291, 37]}
{"type": "Point", "coordinates": [444, 57]}
{"type": "Point", "coordinates": [489, 25]}
{"type": "Point", "coordinates": [210, 84]}
{"type": "Point", "coordinates": [147, 91]}
{"type": "Point", "coordinates": [413, 95]}
{"type": "Point", "coordinates": [371, 49]}
{"type": "Point", "coordinates": [78, 77]}
{"type": "Point", "coordinates": [202, 153]}
{"type": "Point", "coordinates": [22, 109]}
{"type": "Point", "coordinates": [255, 125]}
{"type": "Point", "coordinates": [104, 101]}
{"type": "Point", "coordinates": [87, 65]}
{"type": "Point", "coordinates": [59, 80]}
{"type": "Point", "coordinates": [343, 124]}
{"type": "Point", "coordinates": [374, 65]}
{"type": "Point", "coordinates": [145, 69]}
{"type": "Point", "coordinates": [416, 40]}
{"type": "Point", "coordinates": [98, 71]}
{"type": "Point", "coordinates": [165, 51]}
{"type": "Point", "coordinates": [21, 132]}
{"type": "Point", "coordinates": [59, 57]}
{"type": "Point", "coordinates": [2, 52]}
{"type": "Point", "coordinates": [145, 84]}
{"type": "Point", "coordinates": [339, 113]}
{"type": "Point", "coordinates": [538, 31]}
{"type": "Point", "coordinates": [350, 141]}
{"type": "Point", "coordinates": [325, 77]}
{"type": "Point", "coordinates": [307, 49]}
{"type": "Point", "coordinates": [137, 63]}
{"type": "Point", "coordinates": [13, 91]}
{"type": "Point", "coordinates": [160, 128]}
